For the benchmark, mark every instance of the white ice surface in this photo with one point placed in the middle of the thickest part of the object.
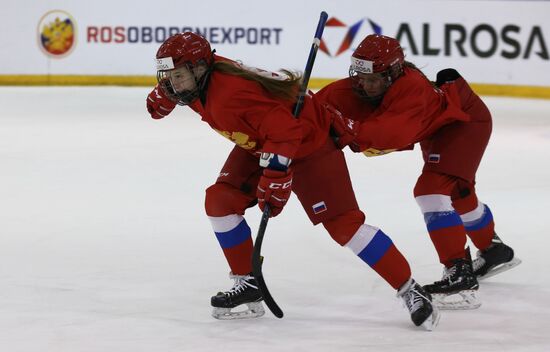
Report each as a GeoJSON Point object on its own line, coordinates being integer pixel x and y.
{"type": "Point", "coordinates": [104, 245]}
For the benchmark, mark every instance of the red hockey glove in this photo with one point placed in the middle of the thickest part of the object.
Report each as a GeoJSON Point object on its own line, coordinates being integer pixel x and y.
{"type": "Point", "coordinates": [274, 189]}
{"type": "Point", "coordinates": [343, 130]}
{"type": "Point", "coordinates": [158, 104]}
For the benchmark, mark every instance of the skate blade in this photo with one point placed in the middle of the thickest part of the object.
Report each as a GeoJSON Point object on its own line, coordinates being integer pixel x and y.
{"type": "Point", "coordinates": [501, 268]}
{"type": "Point", "coordinates": [432, 321]}
{"type": "Point", "coordinates": [463, 300]}
{"type": "Point", "coordinates": [254, 310]}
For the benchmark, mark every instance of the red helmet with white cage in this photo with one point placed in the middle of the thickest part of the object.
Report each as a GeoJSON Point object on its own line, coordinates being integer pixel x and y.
{"type": "Point", "coordinates": [183, 63]}
{"type": "Point", "coordinates": [378, 60]}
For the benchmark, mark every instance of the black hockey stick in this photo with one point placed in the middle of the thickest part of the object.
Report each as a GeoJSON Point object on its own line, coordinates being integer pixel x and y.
{"type": "Point", "coordinates": [257, 258]}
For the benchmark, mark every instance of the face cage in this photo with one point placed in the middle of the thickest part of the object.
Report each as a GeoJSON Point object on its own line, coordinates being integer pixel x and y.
{"type": "Point", "coordinates": [390, 75]}
{"type": "Point", "coordinates": [182, 98]}
{"type": "Point", "coordinates": [359, 90]}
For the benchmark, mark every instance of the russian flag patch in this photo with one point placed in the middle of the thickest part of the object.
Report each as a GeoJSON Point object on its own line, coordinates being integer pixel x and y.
{"type": "Point", "coordinates": [434, 158]}
{"type": "Point", "coordinates": [319, 207]}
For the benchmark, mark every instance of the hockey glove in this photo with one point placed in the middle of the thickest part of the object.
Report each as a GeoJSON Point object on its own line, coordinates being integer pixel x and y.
{"type": "Point", "coordinates": [274, 189]}
{"type": "Point", "coordinates": [158, 104]}
{"type": "Point", "coordinates": [343, 130]}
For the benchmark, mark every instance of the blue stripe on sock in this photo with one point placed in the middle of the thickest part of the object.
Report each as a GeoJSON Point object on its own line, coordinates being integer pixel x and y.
{"type": "Point", "coordinates": [376, 248]}
{"type": "Point", "coordinates": [480, 223]}
{"type": "Point", "coordinates": [234, 237]}
{"type": "Point", "coordinates": [439, 220]}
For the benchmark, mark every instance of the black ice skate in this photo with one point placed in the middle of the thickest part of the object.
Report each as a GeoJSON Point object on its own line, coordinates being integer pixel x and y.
{"type": "Point", "coordinates": [495, 259]}
{"type": "Point", "coordinates": [245, 291]}
{"type": "Point", "coordinates": [457, 288]}
{"type": "Point", "coordinates": [419, 304]}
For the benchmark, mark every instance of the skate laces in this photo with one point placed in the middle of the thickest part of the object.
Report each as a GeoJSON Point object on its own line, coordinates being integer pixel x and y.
{"type": "Point", "coordinates": [414, 299]}
{"type": "Point", "coordinates": [478, 262]}
{"type": "Point", "coordinates": [454, 273]}
{"type": "Point", "coordinates": [448, 273]}
{"type": "Point", "coordinates": [412, 296]}
{"type": "Point", "coordinates": [241, 283]}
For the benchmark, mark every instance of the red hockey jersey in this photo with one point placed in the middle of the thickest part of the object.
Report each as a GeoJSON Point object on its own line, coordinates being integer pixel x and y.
{"type": "Point", "coordinates": [244, 112]}
{"type": "Point", "coordinates": [412, 110]}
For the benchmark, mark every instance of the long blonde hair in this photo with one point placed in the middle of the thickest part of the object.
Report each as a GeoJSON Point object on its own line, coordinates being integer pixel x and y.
{"type": "Point", "coordinates": [282, 86]}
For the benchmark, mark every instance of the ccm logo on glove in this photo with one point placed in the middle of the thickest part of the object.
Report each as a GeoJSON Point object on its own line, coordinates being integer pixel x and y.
{"type": "Point", "coordinates": [274, 188]}
{"type": "Point", "coordinates": [285, 185]}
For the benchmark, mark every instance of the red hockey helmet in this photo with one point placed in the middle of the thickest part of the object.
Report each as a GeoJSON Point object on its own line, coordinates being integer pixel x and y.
{"type": "Point", "coordinates": [378, 53]}
{"type": "Point", "coordinates": [375, 64]}
{"type": "Point", "coordinates": [186, 48]}
{"type": "Point", "coordinates": [184, 56]}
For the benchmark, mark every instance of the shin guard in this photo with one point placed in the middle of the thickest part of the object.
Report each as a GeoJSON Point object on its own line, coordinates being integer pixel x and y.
{"type": "Point", "coordinates": [444, 226]}
{"type": "Point", "coordinates": [376, 249]}
{"type": "Point", "coordinates": [480, 226]}
{"type": "Point", "coordinates": [235, 238]}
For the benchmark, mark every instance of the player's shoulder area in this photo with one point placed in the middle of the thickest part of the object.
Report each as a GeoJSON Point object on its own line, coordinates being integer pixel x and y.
{"type": "Point", "coordinates": [412, 82]}
{"type": "Point", "coordinates": [228, 83]}
{"type": "Point", "coordinates": [225, 85]}
{"type": "Point", "coordinates": [341, 86]}
{"type": "Point", "coordinates": [228, 94]}
{"type": "Point", "coordinates": [414, 75]}
{"type": "Point", "coordinates": [344, 83]}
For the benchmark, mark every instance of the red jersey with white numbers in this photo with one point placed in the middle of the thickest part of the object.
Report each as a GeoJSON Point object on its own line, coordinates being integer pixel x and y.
{"type": "Point", "coordinates": [412, 110]}
{"type": "Point", "coordinates": [245, 113]}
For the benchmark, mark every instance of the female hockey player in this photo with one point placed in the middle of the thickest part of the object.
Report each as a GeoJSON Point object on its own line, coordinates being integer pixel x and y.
{"type": "Point", "coordinates": [274, 154]}
{"type": "Point", "coordinates": [387, 104]}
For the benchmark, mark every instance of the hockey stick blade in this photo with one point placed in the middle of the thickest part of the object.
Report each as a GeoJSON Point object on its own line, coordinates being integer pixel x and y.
{"type": "Point", "coordinates": [257, 261]}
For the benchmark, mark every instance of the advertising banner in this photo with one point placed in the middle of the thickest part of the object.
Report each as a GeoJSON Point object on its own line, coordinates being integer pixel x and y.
{"type": "Point", "coordinates": [489, 42]}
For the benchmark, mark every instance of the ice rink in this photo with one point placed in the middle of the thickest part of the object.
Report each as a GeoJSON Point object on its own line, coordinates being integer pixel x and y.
{"type": "Point", "coordinates": [104, 245]}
